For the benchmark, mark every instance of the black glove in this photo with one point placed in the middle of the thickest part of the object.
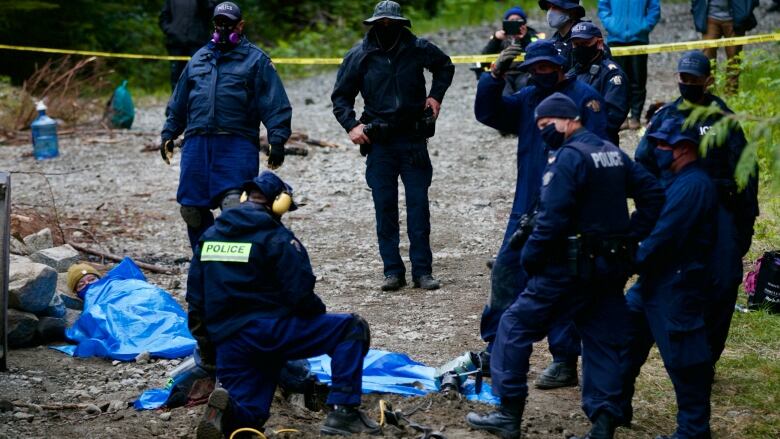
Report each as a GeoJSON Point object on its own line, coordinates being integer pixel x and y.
{"type": "Point", "coordinates": [166, 150]}
{"type": "Point", "coordinates": [275, 156]}
{"type": "Point", "coordinates": [505, 60]}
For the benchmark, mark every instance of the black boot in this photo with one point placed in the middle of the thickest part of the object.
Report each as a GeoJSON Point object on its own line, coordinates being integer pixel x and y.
{"type": "Point", "coordinates": [505, 422]}
{"type": "Point", "coordinates": [345, 420]}
{"type": "Point", "coordinates": [603, 427]}
{"type": "Point", "coordinates": [211, 424]}
{"type": "Point", "coordinates": [394, 282]}
{"type": "Point", "coordinates": [558, 374]}
{"type": "Point", "coordinates": [427, 282]}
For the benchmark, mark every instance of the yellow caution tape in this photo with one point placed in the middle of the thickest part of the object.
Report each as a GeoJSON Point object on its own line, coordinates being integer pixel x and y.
{"type": "Point", "coordinates": [458, 59]}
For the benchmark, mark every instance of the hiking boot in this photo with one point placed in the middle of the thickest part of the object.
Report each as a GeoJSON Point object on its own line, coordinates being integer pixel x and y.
{"type": "Point", "coordinates": [345, 420]}
{"type": "Point", "coordinates": [603, 427]}
{"type": "Point", "coordinates": [426, 282]}
{"type": "Point", "coordinates": [393, 282]}
{"type": "Point", "coordinates": [558, 374]}
{"type": "Point", "coordinates": [210, 425]}
{"type": "Point", "coordinates": [504, 422]}
{"type": "Point", "coordinates": [634, 124]}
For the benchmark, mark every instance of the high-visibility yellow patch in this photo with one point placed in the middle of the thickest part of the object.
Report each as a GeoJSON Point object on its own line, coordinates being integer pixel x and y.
{"type": "Point", "coordinates": [225, 251]}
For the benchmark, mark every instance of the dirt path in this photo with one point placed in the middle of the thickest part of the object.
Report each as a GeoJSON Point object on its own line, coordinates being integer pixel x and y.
{"type": "Point", "coordinates": [127, 199]}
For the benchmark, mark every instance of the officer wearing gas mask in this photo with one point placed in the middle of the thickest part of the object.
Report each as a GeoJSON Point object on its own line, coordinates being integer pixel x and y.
{"type": "Point", "coordinates": [227, 90]}
{"type": "Point", "coordinates": [739, 206]}
{"type": "Point", "coordinates": [251, 285]}
{"type": "Point", "coordinates": [387, 69]}
{"type": "Point", "coordinates": [563, 15]}
{"type": "Point", "coordinates": [577, 259]}
{"type": "Point", "coordinates": [669, 302]}
{"type": "Point", "coordinates": [515, 114]}
{"type": "Point", "coordinates": [592, 66]}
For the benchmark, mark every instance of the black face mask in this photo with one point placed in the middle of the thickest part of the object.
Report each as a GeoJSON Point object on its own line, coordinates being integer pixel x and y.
{"type": "Point", "coordinates": [387, 35]}
{"type": "Point", "coordinates": [691, 93]}
{"type": "Point", "coordinates": [585, 55]}
{"type": "Point", "coordinates": [552, 137]}
{"type": "Point", "coordinates": [545, 81]}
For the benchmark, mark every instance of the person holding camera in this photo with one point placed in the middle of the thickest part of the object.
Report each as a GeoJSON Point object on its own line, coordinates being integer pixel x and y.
{"type": "Point", "coordinates": [578, 261]}
{"type": "Point", "coordinates": [387, 69]}
{"type": "Point", "coordinates": [514, 30]}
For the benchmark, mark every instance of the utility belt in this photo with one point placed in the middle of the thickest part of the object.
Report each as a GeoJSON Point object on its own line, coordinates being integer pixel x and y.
{"type": "Point", "coordinates": [583, 250]}
{"type": "Point", "coordinates": [379, 131]}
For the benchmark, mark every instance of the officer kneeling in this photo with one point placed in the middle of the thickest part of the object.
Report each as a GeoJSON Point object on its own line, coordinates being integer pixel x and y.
{"type": "Point", "coordinates": [251, 284]}
{"type": "Point", "coordinates": [577, 257]}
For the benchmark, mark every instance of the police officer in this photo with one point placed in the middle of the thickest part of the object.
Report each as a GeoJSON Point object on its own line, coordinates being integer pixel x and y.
{"type": "Point", "coordinates": [514, 17]}
{"type": "Point", "coordinates": [229, 87]}
{"type": "Point", "coordinates": [738, 206]}
{"type": "Point", "coordinates": [669, 300]}
{"type": "Point", "coordinates": [251, 284]}
{"type": "Point", "coordinates": [592, 66]}
{"type": "Point", "coordinates": [576, 257]}
{"type": "Point", "coordinates": [515, 114]}
{"type": "Point", "coordinates": [563, 15]}
{"type": "Point", "coordinates": [387, 69]}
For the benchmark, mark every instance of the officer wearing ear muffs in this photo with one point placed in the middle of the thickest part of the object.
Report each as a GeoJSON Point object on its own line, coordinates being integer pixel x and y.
{"type": "Point", "coordinates": [251, 298]}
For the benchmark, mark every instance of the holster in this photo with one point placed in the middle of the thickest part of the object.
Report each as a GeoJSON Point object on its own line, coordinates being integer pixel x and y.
{"type": "Point", "coordinates": [582, 251]}
{"type": "Point", "coordinates": [381, 132]}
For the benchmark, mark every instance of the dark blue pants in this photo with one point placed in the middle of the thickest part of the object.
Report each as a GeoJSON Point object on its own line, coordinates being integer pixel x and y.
{"type": "Point", "coordinates": [385, 163]}
{"type": "Point", "coordinates": [507, 280]}
{"type": "Point", "coordinates": [249, 361]}
{"type": "Point", "coordinates": [598, 315]}
{"type": "Point", "coordinates": [669, 318]}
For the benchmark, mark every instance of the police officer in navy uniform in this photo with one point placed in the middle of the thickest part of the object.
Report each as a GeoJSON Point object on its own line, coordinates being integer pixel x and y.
{"type": "Point", "coordinates": [515, 114]}
{"type": "Point", "coordinates": [387, 69]}
{"type": "Point", "coordinates": [563, 15]}
{"type": "Point", "coordinates": [227, 89]}
{"type": "Point", "coordinates": [592, 66]}
{"type": "Point", "coordinates": [251, 284]}
{"type": "Point", "coordinates": [738, 205]}
{"type": "Point", "coordinates": [577, 259]}
{"type": "Point", "coordinates": [668, 303]}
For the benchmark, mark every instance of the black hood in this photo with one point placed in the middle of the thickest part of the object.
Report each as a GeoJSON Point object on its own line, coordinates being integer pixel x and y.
{"type": "Point", "coordinates": [245, 218]}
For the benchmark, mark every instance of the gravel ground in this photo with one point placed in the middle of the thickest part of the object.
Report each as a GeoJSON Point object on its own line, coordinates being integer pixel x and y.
{"type": "Point", "coordinates": [126, 198]}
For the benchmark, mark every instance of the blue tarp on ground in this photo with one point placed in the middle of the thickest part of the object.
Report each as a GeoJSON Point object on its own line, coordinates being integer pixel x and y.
{"type": "Point", "coordinates": [125, 315]}
{"type": "Point", "coordinates": [383, 372]}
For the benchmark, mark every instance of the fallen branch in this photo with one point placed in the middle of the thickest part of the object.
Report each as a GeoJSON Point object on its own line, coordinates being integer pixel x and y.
{"type": "Point", "coordinates": [322, 143]}
{"type": "Point", "coordinates": [117, 258]}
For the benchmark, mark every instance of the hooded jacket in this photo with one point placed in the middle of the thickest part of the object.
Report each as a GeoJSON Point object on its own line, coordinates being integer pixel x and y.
{"type": "Point", "coordinates": [629, 21]}
{"type": "Point", "coordinates": [248, 266]}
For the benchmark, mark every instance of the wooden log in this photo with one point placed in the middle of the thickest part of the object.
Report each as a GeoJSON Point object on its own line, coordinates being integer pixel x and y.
{"type": "Point", "coordinates": [117, 258]}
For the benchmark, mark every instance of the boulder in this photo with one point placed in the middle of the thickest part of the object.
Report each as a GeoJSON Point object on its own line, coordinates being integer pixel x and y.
{"type": "Point", "coordinates": [39, 241]}
{"type": "Point", "coordinates": [56, 307]}
{"type": "Point", "coordinates": [18, 247]}
{"type": "Point", "coordinates": [59, 258]}
{"type": "Point", "coordinates": [71, 315]}
{"type": "Point", "coordinates": [31, 286]}
{"type": "Point", "coordinates": [50, 329]}
{"type": "Point", "coordinates": [71, 302]}
{"type": "Point", "coordinates": [22, 327]}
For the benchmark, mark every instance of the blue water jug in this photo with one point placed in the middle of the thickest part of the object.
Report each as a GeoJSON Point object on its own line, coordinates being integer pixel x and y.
{"type": "Point", "coordinates": [44, 135]}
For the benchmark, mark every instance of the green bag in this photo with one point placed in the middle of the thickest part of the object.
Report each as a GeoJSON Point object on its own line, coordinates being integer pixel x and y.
{"type": "Point", "coordinates": [120, 108]}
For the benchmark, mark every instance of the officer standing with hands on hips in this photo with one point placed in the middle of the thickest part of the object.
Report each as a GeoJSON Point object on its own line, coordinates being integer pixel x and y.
{"type": "Point", "coordinates": [227, 90]}
{"type": "Point", "coordinates": [669, 301]}
{"type": "Point", "coordinates": [578, 260]}
{"type": "Point", "coordinates": [593, 67]}
{"type": "Point", "coordinates": [251, 285]}
{"type": "Point", "coordinates": [515, 114]}
{"type": "Point", "coordinates": [387, 68]}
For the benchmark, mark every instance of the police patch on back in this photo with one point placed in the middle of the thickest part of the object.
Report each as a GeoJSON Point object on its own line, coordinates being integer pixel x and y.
{"type": "Point", "coordinates": [216, 251]}
{"type": "Point", "coordinates": [609, 159]}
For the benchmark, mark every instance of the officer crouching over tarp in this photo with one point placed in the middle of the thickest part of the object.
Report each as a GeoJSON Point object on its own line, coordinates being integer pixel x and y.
{"type": "Point", "coordinates": [227, 89]}
{"type": "Point", "coordinates": [251, 294]}
{"type": "Point", "coordinates": [578, 258]}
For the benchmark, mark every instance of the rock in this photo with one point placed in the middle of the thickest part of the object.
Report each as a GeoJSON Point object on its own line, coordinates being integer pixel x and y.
{"type": "Point", "coordinates": [6, 406]}
{"type": "Point", "coordinates": [154, 428]}
{"type": "Point", "coordinates": [116, 405]}
{"type": "Point", "coordinates": [115, 363]}
{"type": "Point", "coordinates": [92, 409]}
{"type": "Point", "coordinates": [71, 315]}
{"type": "Point", "coordinates": [22, 328]}
{"type": "Point", "coordinates": [71, 302]}
{"type": "Point", "coordinates": [18, 247]}
{"type": "Point", "coordinates": [39, 241]}
{"type": "Point", "coordinates": [31, 286]}
{"type": "Point", "coordinates": [22, 416]}
{"type": "Point", "coordinates": [59, 258]}
{"type": "Point", "coordinates": [143, 357]}
{"type": "Point", "coordinates": [51, 329]}
{"type": "Point", "coordinates": [56, 307]}
{"type": "Point", "coordinates": [166, 416]}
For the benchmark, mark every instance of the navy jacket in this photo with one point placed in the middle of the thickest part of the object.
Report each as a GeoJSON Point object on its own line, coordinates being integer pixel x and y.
{"type": "Point", "coordinates": [608, 78]}
{"type": "Point", "coordinates": [515, 114]}
{"type": "Point", "coordinates": [741, 13]}
{"type": "Point", "coordinates": [186, 22]}
{"type": "Point", "coordinates": [629, 21]}
{"type": "Point", "coordinates": [720, 163]}
{"type": "Point", "coordinates": [392, 83]}
{"type": "Point", "coordinates": [247, 266]}
{"type": "Point", "coordinates": [230, 92]}
{"type": "Point", "coordinates": [563, 44]}
{"type": "Point", "coordinates": [584, 191]}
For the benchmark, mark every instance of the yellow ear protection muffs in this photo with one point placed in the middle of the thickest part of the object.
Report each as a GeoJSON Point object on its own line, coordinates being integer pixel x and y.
{"type": "Point", "coordinates": [282, 204]}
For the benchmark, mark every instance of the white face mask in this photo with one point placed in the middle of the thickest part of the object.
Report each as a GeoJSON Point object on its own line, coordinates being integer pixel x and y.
{"type": "Point", "coordinates": [557, 19]}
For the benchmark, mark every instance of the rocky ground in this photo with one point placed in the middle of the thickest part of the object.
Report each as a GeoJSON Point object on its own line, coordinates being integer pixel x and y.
{"type": "Point", "coordinates": [123, 200]}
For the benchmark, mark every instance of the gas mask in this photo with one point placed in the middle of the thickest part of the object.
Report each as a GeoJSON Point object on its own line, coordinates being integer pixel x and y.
{"type": "Point", "coordinates": [225, 35]}
{"type": "Point", "coordinates": [557, 19]}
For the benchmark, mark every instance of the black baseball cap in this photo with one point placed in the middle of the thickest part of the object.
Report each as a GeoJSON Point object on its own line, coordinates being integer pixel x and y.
{"type": "Point", "coordinates": [229, 10]}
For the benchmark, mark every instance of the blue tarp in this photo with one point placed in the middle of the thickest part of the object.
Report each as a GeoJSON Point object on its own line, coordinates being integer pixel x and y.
{"type": "Point", "coordinates": [125, 315]}
{"type": "Point", "coordinates": [383, 372]}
